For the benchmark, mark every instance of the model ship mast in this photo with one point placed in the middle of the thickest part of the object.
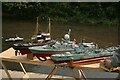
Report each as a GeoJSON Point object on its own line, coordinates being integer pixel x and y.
{"type": "Point", "coordinates": [37, 26]}
{"type": "Point", "coordinates": [44, 35]}
{"type": "Point", "coordinates": [49, 26]}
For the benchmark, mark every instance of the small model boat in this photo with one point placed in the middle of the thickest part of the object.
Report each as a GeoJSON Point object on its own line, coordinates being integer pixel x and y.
{"type": "Point", "coordinates": [24, 47]}
{"type": "Point", "coordinates": [39, 39]}
{"type": "Point", "coordinates": [82, 54]}
{"type": "Point", "coordinates": [17, 38]}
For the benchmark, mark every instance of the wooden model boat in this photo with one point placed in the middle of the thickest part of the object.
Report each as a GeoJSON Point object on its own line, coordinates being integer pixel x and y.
{"type": "Point", "coordinates": [13, 39]}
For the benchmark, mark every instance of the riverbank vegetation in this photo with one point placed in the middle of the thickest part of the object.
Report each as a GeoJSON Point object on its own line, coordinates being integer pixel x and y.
{"type": "Point", "coordinates": [104, 13]}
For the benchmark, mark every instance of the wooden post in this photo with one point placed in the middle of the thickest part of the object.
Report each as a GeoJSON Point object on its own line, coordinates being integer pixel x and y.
{"type": "Point", "coordinates": [82, 73]}
{"type": "Point", "coordinates": [52, 73]}
{"type": "Point", "coordinates": [3, 65]}
{"type": "Point", "coordinates": [22, 68]}
{"type": "Point", "coordinates": [30, 56]}
{"type": "Point", "coordinates": [25, 77]}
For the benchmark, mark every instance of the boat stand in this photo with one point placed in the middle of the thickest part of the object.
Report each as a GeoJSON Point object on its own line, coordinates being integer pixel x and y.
{"type": "Point", "coordinates": [70, 65]}
{"type": "Point", "coordinates": [25, 77]}
{"type": "Point", "coordinates": [9, 55]}
{"type": "Point", "coordinates": [6, 70]}
{"type": "Point", "coordinates": [54, 70]}
{"type": "Point", "coordinates": [81, 74]}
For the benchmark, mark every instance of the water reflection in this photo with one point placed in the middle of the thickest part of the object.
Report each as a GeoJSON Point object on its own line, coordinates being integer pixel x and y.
{"type": "Point", "coordinates": [102, 35]}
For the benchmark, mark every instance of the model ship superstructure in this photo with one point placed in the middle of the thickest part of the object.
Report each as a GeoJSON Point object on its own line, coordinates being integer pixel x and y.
{"type": "Point", "coordinates": [84, 53]}
{"type": "Point", "coordinates": [39, 39]}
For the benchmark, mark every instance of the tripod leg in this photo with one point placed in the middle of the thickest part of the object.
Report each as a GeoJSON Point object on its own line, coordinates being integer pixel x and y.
{"type": "Point", "coordinates": [3, 65]}
{"type": "Point", "coordinates": [82, 74]}
{"type": "Point", "coordinates": [52, 72]}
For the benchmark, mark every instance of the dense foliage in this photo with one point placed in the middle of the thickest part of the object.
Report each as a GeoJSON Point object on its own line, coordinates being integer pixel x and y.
{"type": "Point", "coordinates": [89, 12]}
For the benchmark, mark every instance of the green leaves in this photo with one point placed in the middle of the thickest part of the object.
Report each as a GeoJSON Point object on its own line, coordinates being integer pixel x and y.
{"type": "Point", "coordinates": [87, 12]}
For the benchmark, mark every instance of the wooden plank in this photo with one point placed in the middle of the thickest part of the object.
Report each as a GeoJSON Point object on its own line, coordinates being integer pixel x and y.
{"type": "Point", "coordinates": [8, 53]}
{"type": "Point", "coordinates": [93, 60]}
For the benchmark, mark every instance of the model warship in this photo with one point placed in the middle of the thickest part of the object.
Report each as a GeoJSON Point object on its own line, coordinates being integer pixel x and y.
{"type": "Point", "coordinates": [84, 53]}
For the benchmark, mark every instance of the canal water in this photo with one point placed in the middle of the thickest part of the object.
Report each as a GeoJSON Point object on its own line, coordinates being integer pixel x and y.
{"type": "Point", "coordinates": [102, 35]}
